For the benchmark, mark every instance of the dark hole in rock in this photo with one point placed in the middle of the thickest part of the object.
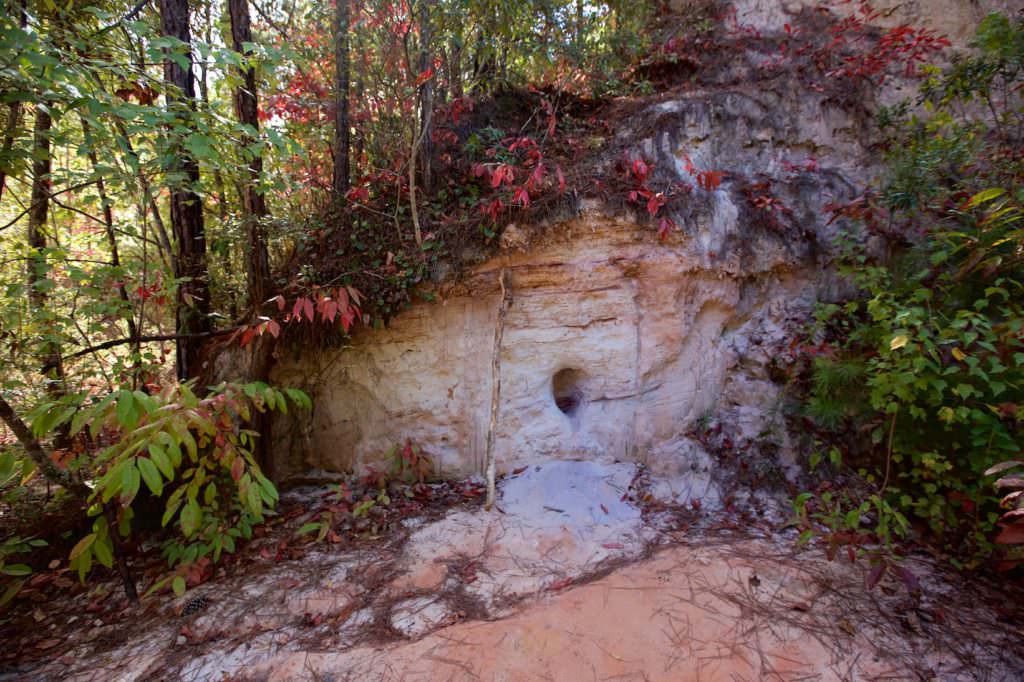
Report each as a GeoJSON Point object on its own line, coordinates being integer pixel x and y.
{"type": "Point", "coordinates": [566, 386]}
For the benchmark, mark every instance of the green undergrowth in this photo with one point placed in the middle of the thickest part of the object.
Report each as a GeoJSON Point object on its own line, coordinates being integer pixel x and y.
{"type": "Point", "coordinates": [912, 387]}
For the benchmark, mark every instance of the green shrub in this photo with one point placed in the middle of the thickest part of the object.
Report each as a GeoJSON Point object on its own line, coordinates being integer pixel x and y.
{"type": "Point", "coordinates": [196, 450]}
{"type": "Point", "coordinates": [919, 388]}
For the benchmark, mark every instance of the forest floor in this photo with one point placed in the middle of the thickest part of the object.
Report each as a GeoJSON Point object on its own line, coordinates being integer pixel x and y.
{"type": "Point", "coordinates": [572, 576]}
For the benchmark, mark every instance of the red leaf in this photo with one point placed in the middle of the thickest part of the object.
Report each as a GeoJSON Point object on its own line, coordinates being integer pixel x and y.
{"type": "Point", "coordinates": [521, 197]}
{"type": "Point", "coordinates": [237, 468]}
{"type": "Point", "coordinates": [612, 545]}
{"type": "Point", "coordinates": [307, 307]}
{"type": "Point", "coordinates": [1011, 533]}
{"type": "Point", "coordinates": [640, 169]}
{"type": "Point", "coordinates": [561, 180]}
{"type": "Point", "coordinates": [424, 76]}
{"type": "Point", "coordinates": [347, 318]}
{"type": "Point", "coordinates": [665, 226]}
{"type": "Point", "coordinates": [655, 203]}
{"type": "Point", "coordinates": [248, 335]}
{"type": "Point", "coordinates": [358, 194]}
{"type": "Point", "coordinates": [274, 328]}
{"type": "Point", "coordinates": [875, 575]}
{"type": "Point", "coordinates": [709, 180]}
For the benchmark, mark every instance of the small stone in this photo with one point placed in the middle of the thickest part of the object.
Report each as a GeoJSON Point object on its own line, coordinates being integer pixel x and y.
{"type": "Point", "coordinates": [181, 640]}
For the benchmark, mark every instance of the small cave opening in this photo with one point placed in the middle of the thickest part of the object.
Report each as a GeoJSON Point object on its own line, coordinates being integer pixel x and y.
{"type": "Point", "coordinates": [567, 389]}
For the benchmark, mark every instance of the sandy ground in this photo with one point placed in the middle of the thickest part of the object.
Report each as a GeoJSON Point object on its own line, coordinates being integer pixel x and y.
{"type": "Point", "coordinates": [566, 580]}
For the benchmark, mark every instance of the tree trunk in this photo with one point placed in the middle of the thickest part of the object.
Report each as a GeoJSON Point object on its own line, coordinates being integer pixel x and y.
{"type": "Point", "coordinates": [254, 212]}
{"type": "Point", "coordinates": [51, 364]}
{"type": "Point", "coordinates": [62, 477]}
{"type": "Point", "coordinates": [13, 109]}
{"type": "Point", "coordinates": [10, 134]}
{"type": "Point", "coordinates": [193, 299]}
{"type": "Point", "coordinates": [426, 97]}
{"type": "Point", "coordinates": [579, 25]}
{"type": "Point", "coordinates": [204, 96]}
{"type": "Point", "coordinates": [342, 19]}
{"type": "Point", "coordinates": [108, 224]}
{"type": "Point", "coordinates": [490, 465]}
{"type": "Point", "coordinates": [34, 449]}
{"type": "Point", "coordinates": [455, 69]}
{"type": "Point", "coordinates": [254, 205]}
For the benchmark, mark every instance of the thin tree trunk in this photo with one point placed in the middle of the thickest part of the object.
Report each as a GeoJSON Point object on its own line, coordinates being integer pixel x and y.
{"type": "Point", "coordinates": [51, 364]}
{"type": "Point", "coordinates": [490, 465]}
{"type": "Point", "coordinates": [204, 96]}
{"type": "Point", "coordinates": [342, 19]}
{"type": "Point", "coordinates": [455, 70]}
{"type": "Point", "coordinates": [426, 96]}
{"type": "Point", "coordinates": [579, 24]}
{"type": "Point", "coordinates": [193, 299]}
{"type": "Point", "coordinates": [62, 477]}
{"type": "Point", "coordinates": [167, 254]}
{"type": "Point", "coordinates": [108, 223]}
{"type": "Point", "coordinates": [13, 109]}
{"type": "Point", "coordinates": [254, 212]}
{"type": "Point", "coordinates": [10, 134]}
{"type": "Point", "coordinates": [254, 205]}
{"type": "Point", "coordinates": [34, 449]}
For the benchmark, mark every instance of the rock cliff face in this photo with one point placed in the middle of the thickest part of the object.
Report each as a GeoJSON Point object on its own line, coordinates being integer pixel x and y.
{"type": "Point", "coordinates": [614, 346]}
{"type": "Point", "coordinates": [618, 345]}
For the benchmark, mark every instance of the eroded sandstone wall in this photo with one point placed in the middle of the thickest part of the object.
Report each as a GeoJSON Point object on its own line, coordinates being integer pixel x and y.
{"type": "Point", "coordinates": [614, 346]}
{"type": "Point", "coordinates": [617, 344]}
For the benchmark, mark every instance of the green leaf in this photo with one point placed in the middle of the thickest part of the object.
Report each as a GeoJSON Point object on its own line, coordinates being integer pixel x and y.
{"type": "Point", "coordinates": [299, 398]}
{"type": "Point", "coordinates": [162, 461]}
{"type": "Point", "coordinates": [985, 196]}
{"type": "Point", "coordinates": [11, 591]}
{"type": "Point", "coordinates": [172, 507]}
{"type": "Point", "coordinates": [104, 552]}
{"type": "Point", "coordinates": [150, 474]}
{"type": "Point", "coordinates": [6, 465]}
{"type": "Point", "coordinates": [201, 146]}
{"type": "Point", "coordinates": [16, 570]}
{"type": "Point", "coordinates": [127, 415]}
{"type": "Point", "coordinates": [130, 481]}
{"type": "Point", "coordinates": [804, 538]}
{"type": "Point", "coordinates": [178, 585]}
{"type": "Point", "coordinates": [82, 545]}
{"type": "Point", "coordinates": [191, 517]}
